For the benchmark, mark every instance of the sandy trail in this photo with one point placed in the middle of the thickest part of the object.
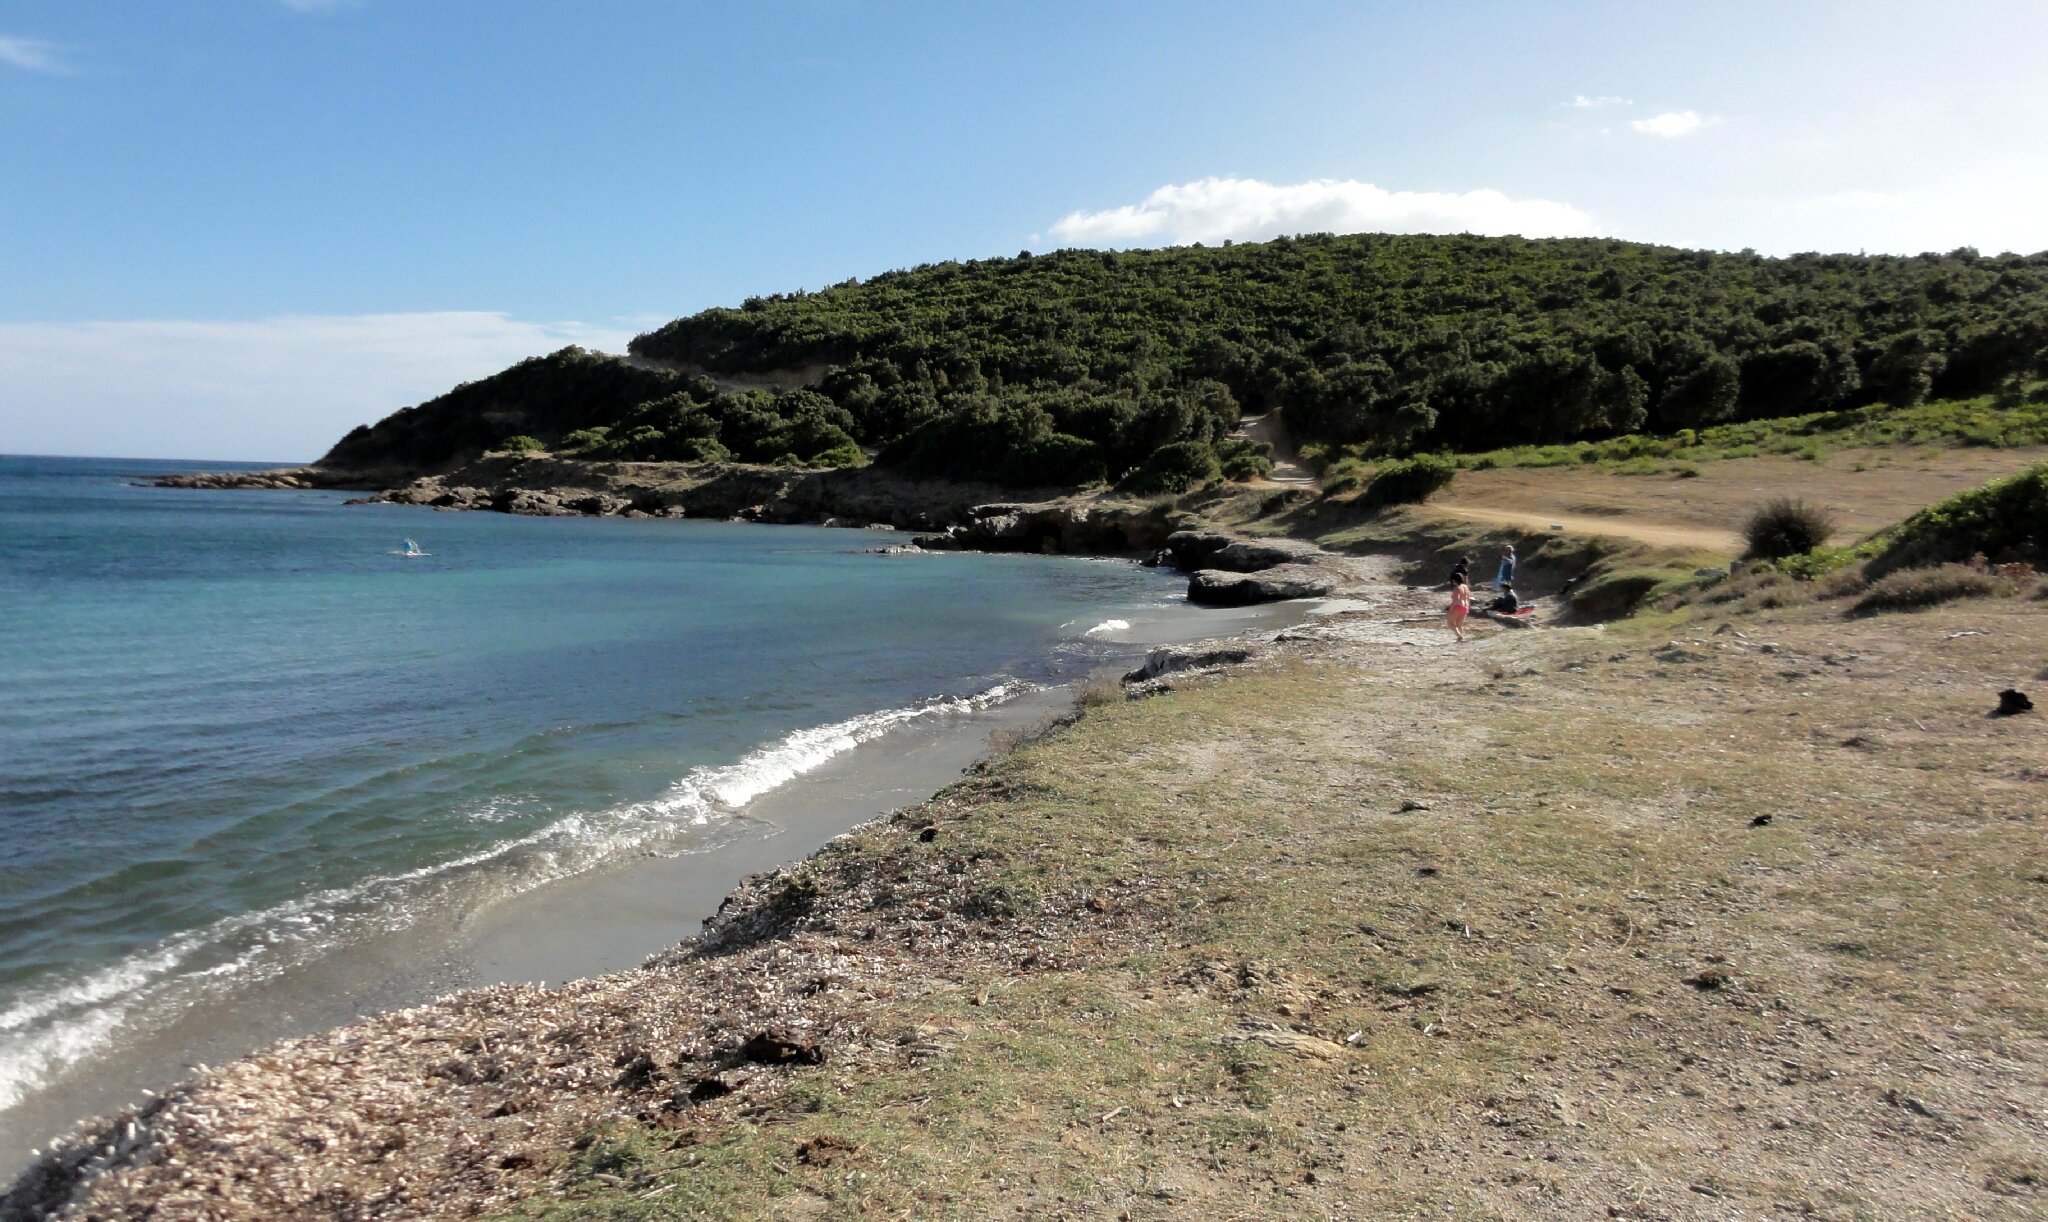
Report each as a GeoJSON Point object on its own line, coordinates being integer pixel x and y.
{"type": "Point", "coordinates": [1267, 428]}
{"type": "Point", "coordinates": [1658, 533]}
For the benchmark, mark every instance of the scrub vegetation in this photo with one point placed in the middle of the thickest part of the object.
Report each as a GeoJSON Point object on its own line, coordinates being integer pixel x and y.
{"type": "Point", "coordinates": [1076, 367]}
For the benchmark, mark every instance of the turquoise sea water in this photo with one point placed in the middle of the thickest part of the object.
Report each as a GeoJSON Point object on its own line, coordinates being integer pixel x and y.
{"type": "Point", "coordinates": [237, 732]}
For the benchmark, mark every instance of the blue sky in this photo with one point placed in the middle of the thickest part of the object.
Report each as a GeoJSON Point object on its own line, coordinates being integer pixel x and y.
{"type": "Point", "coordinates": [234, 229]}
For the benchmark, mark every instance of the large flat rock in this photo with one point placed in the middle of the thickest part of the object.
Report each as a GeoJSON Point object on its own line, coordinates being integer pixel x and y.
{"type": "Point", "coordinates": [1216, 588]}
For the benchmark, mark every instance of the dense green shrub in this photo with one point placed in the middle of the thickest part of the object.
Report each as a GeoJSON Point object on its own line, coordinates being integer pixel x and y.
{"type": "Point", "coordinates": [1244, 459]}
{"type": "Point", "coordinates": [1001, 443]}
{"type": "Point", "coordinates": [1405, 341]}
{"type": "Point", "coordinates": [1392, 343]}
{"type": "Point", "coordinates": [1786, 527]}
{"type": "Point", "coordinates": [1177, 467]}
{"type": "Point", "coordinates": [521, 444]}
{"type": "Point", "coordinates": [2004, 520]}
{"type": "Point", "coordinates": [584, 442]}
{"type": "Point", "coordinates": [1409, 480]}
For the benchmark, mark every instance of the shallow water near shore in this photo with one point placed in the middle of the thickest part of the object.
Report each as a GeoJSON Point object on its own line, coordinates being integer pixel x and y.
{"type": "Point", "coordinates": [260, 775]}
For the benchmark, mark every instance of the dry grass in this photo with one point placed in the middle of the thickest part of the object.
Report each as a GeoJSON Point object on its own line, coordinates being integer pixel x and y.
{"type": "Point", "coordinates": [1574, 975]}
{"type": "Point", "coordinates": [1916, 589]}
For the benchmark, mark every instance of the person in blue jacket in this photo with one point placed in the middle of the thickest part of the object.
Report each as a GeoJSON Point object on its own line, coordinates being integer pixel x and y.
{"type": "Point", "coordinates": [1506, 575]}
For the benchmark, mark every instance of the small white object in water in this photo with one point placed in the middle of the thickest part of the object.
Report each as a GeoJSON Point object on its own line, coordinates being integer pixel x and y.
{"type": "Point", "coordinates": [1108, 626]}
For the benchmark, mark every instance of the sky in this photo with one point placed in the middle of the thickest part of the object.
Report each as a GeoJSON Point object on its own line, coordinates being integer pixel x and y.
{"type": "Point", "coordinates": [236, 229]}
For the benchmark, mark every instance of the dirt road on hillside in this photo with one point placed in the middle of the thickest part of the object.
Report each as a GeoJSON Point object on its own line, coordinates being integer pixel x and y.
{"type": "Point", "coordinates": [1867, 489]}
{"type": "Point", "coordinates": [1659, 534]}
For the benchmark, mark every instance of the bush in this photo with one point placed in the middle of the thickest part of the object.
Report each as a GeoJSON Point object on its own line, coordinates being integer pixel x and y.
{"type": "Point", "coordinates": [1409, 480]}
{"type": "Point", "coordinates": [1787, 527]}
{"type": "Point", "coordinates": [1912, 589]}
{"type": "Point", "coordinates": [1174, 468]}
{"type": "Point", "coordinates": [585, 441]}
{"type": "Point", "coordinates": [1245, 459]}
{"type": "Point", "coordinates": [521, 444]}
{"type": "Point", "coordinates": [2005, 519]}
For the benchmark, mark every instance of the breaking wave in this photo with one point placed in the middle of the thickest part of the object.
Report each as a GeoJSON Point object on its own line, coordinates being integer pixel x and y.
{"type": "Point", "coordinates": [49, 1029]}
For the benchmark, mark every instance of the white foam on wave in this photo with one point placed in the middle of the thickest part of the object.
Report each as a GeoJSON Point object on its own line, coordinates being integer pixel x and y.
{"type": "Point", "coordinates": [54, 1028]}
{"type": "Point", "coordinates": [1108, 626]}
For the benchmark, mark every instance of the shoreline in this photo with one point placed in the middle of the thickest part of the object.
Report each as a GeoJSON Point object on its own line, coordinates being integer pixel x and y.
{"type": "Point", "coordinates": [1546, 925]}
{"type": "Point", "coordinates": [387, 1042]}
{"type": "Point", "coordinates": [1223, 569]}
{"type": "Point", "coordinates": [607, 918]}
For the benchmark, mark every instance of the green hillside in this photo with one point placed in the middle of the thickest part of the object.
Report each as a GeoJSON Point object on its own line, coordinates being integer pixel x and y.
{"type": "Point", "coordinates": [1078, 366]}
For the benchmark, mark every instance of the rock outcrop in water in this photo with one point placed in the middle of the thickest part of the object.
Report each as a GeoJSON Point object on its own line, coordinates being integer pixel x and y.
{"type": "Point", "coordinates": [282, 477]}
{"type": "Point", "coordinates": [1225, 570]}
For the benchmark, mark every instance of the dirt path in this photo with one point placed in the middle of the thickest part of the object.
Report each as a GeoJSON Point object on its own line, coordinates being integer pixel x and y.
{"type": "Point", "coordinates": [1267, 428]}
{"type": "Point", "coordinates": [1658, 534]}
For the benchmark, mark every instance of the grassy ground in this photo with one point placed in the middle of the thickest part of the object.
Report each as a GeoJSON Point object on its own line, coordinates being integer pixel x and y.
{"type": "Point", "coordinates": [1983, 422]}
{"type": "Point", "coordinates": [1693, 917]}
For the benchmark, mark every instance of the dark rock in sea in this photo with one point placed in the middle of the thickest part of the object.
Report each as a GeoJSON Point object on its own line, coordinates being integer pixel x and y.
{"type": "Point", "coordinates": [280, 478]}
{"type": "Point", "coordinates": [1214, 588]}
{"type": "Point", "coordinates": [1192, 549]}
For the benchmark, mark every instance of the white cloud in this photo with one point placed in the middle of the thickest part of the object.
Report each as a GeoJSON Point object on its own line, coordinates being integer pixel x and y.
{"type": "Point", "coordinates": [1582, 102]}
{"type": "Point", "coordinates": [33, 54]}
{"type": "Point", "coordinates": [1848, 200]}
{"type": "Point", "coordinates": [1673, 123]}
{"type": "Point", "coordinates": [273, 389]}
{"type": "Point", "coordinates": [1244, 209]}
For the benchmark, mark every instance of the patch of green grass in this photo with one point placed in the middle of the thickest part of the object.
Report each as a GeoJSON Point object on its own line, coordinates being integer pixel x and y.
{"type": "Point", "coordinates": [2006, 519]}
{"type": "Point", "coordinates": [1972, 422]}
{"type": "Point", "coordinates": [1621, 591]}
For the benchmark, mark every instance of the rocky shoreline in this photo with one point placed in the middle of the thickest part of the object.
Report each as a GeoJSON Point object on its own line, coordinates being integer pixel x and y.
{"type": "Point", "coordinates": [1224, 570]}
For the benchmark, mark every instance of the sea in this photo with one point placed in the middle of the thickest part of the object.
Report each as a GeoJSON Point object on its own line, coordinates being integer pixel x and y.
{"type": "Point", "coordinates": [252, 753]}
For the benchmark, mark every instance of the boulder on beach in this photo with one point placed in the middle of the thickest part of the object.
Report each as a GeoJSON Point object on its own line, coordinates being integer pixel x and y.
{"type": "Point", "coordinates": [1216, 588]}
